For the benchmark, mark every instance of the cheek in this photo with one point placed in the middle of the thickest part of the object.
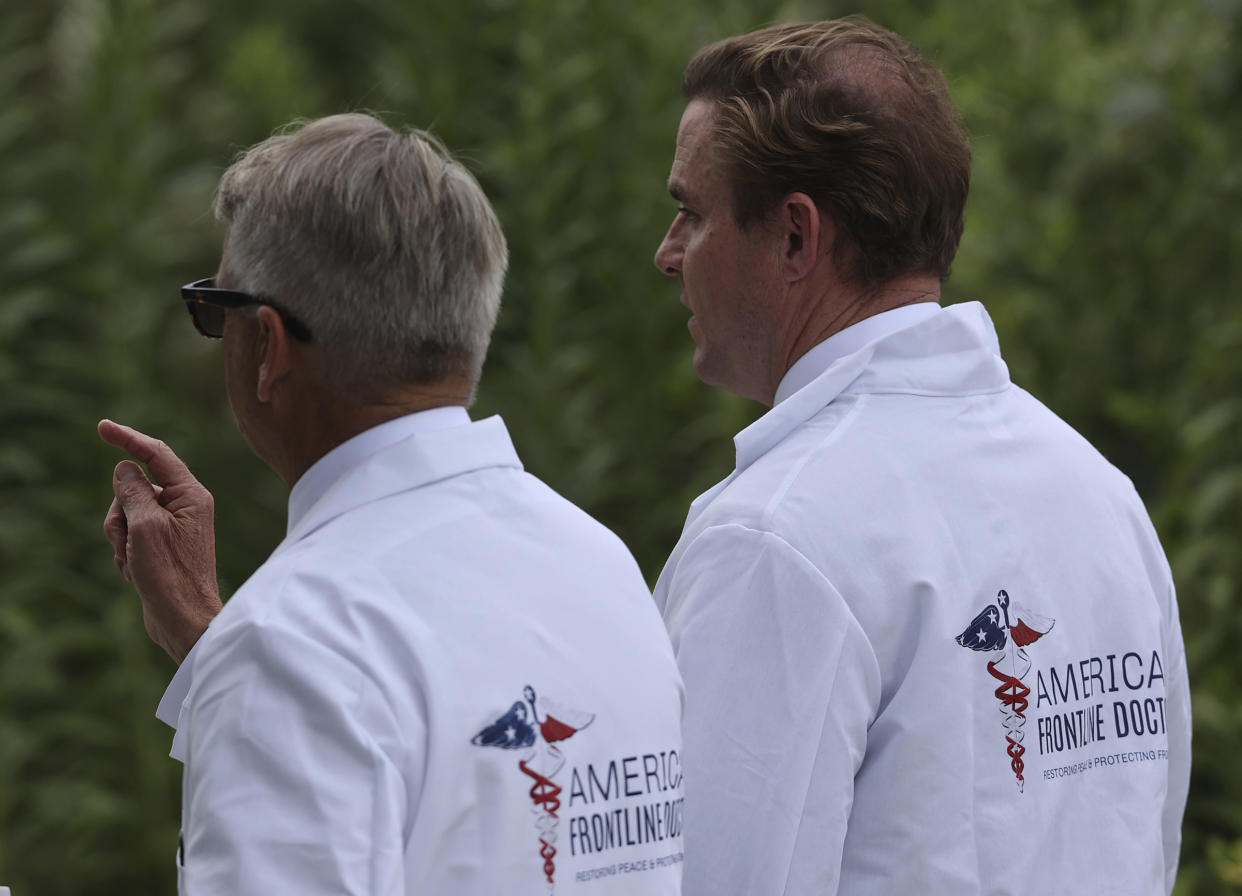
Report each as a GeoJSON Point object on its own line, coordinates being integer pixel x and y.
{"type": "Point", "coordinates": [704, 256]}
{"type": "Point", "coordinates": [239, 367]}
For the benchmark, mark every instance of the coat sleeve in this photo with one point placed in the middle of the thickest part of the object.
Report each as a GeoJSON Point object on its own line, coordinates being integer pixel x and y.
{"type": "Point", "coordinates": [781, 686]}
{"type": "Point", "coordinates": [289, 785]}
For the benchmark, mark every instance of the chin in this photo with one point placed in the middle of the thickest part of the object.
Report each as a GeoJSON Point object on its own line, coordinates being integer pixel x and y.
{"type": "Point", "coordinates": [703, 369]}
{"type": "Point", "coordinates": [723, 379]}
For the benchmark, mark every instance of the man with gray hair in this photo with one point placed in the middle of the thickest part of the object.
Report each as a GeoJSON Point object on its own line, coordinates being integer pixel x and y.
{"type": "Point", "coordinates": [446, 678]}
{"type": "Point", "coordinates": [929, 638]}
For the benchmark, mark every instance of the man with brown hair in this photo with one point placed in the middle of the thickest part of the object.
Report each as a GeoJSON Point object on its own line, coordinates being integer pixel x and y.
{"type": "Point", "coordinates": [929, 638]}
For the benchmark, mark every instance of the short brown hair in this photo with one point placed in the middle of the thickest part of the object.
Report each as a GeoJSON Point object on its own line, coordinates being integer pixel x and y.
{"type": "Point", "coordinates": [859, 120]}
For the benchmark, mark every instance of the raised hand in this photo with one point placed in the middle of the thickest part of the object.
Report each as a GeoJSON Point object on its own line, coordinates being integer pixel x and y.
{"type": "Point", "coordinates": [161, 530]}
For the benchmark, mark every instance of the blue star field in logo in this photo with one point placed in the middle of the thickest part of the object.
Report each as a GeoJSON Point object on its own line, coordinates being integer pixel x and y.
{"type": "Point", "coordinates": [511, 731]}
{"type": "Point", "coordinates": [985, 631]}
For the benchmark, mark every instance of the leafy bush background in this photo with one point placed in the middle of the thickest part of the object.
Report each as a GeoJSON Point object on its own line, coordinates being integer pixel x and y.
{"type": "Point", "coordinates": [1103, 233]}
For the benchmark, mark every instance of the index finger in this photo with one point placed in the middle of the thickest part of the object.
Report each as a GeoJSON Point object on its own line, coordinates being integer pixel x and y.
{"type": "Point", "coordinates": [166, 468]}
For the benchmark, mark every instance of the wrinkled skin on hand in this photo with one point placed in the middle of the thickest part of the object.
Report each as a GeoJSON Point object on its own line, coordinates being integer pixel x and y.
{"type": "Point", "coordinates": [162, 533]}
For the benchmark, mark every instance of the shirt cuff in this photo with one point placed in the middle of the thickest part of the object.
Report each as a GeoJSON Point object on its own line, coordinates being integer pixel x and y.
{"type": "Point", "coordinates": [170, 704]}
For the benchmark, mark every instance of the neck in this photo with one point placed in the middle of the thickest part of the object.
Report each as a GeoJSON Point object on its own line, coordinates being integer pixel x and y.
{"type": "Point", "coordinates": [320, 421]}
{"type": "Point", "coordinates": [834, 308]}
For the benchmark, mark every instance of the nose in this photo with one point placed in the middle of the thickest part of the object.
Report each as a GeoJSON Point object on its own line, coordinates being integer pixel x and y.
{"type": "Point", "coordinates": [668, 255]}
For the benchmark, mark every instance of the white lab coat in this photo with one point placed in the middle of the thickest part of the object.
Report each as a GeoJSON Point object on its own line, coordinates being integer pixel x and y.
{"type": "Point", "coordinates": [836, 607]}
{"type": "Point", "coordinates": [446, 680]}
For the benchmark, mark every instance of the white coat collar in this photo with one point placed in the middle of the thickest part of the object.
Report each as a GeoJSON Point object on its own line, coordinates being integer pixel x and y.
{"type": "Point", "coordinates": [418, 458]}
{"type": "Point", "coordinates": [953, 351]}
{"type": "Point", "coordinates": [323, 473]}
{"type": "Point", "coordinates": [848, 341]}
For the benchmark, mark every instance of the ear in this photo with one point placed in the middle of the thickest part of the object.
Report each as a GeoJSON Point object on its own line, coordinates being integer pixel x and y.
{"type": "Point", "coordinates": [805, 235]}
{"type": "Point", "coordinates": [275, 351]}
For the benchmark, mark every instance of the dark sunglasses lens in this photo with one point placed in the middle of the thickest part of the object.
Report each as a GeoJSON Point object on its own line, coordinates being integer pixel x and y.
{"type": "Point", "coordinates": [208, 318]}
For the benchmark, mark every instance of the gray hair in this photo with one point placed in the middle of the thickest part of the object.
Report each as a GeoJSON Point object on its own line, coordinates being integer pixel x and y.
{"type": "Point", "coordinates": [384, 245]}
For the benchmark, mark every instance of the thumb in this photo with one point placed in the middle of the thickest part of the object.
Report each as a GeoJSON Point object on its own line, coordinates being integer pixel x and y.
{"type": "Point", "coordinates": [133, 490]}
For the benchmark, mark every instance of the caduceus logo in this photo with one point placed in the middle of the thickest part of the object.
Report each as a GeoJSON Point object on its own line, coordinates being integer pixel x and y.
{"type": "Point", "coordinates": [985, 633]}
{"type": "Point", "coordinates": [537, 731]}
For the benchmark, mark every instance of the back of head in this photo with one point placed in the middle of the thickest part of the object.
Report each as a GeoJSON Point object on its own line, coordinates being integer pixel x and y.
{"type": "Point", "coordinates": [378, 240]}
{"type": "Point", "coordinates": [856, 118]}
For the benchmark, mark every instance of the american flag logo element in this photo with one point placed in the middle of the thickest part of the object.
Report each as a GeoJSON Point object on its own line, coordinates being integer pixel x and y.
{"type": "Point", "coordinates": [536, 726]}
{"type": "Point", "coordinates": [993, 630]}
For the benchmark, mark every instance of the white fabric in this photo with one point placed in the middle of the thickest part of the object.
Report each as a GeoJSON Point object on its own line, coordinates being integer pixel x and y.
{"type": "Point", "coordinates": [362, 716]}
{"type": "Point", "coordinates": [841, 738]}
{"type": "Point", "coordinates": [302, 497]}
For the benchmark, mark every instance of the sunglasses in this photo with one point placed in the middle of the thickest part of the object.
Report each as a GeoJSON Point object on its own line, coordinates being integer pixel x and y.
{"type": "Point", "coordinates": [207, 304]}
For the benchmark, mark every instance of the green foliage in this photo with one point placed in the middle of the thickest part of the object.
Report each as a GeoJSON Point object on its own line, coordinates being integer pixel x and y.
{"type": "Point", "coordinates": [1103, 236]}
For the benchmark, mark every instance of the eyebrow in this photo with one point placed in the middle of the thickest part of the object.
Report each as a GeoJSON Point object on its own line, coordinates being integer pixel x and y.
{"type": "Point", "coordinates": [677, 191]}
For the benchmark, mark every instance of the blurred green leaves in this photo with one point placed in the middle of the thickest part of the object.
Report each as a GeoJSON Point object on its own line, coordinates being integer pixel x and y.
{"type": "Point", "coordinates": [1103, 235]}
